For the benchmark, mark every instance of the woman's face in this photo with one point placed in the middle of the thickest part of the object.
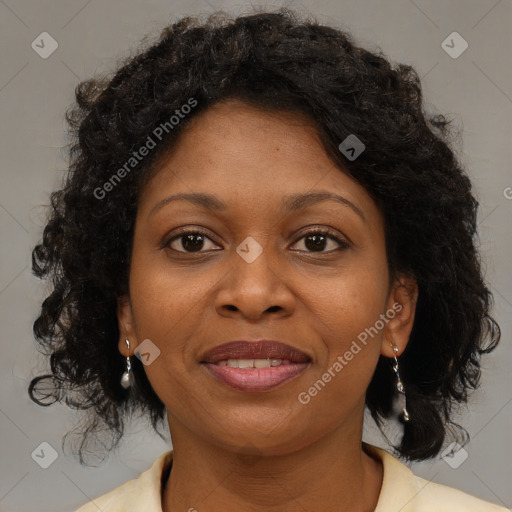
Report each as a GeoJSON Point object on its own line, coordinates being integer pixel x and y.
{"type": "Point", "coordinates": [255, 273]}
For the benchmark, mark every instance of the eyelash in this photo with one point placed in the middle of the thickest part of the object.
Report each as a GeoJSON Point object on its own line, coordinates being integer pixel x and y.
{"type": "Point", "coordinates": [344, 244]}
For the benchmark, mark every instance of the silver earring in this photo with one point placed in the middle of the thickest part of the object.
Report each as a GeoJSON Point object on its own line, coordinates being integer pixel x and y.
{"type": "Point", "coordinates": [400, 385]}
{"type": "Point", "coordinates": [126, 379]}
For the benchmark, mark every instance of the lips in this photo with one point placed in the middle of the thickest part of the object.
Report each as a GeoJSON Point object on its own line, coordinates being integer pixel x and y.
{"type": "Point", "coordinates": [261, 349]}
{"type": "Point", "coordinates": [255, 366]}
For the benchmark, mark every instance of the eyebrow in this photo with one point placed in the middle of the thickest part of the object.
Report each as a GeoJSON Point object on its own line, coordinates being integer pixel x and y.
{"type": "Point", "coordinates": [291, 203]}
{"type": "Point", "coordinates": [301, 201]}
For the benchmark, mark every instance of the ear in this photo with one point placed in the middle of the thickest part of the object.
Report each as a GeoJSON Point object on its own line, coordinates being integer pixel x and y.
{"type": "Point", "coordinates": [401, 308]}
{"type": "Point", "coordinates": [126, 325]}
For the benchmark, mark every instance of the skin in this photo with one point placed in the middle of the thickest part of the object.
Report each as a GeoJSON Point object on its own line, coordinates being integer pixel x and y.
{"type": "Point", "coordinates": [263, 451]}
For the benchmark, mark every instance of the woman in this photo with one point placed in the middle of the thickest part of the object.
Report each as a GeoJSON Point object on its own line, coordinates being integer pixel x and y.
{"type": "Point", "coordinates": [262, 213]}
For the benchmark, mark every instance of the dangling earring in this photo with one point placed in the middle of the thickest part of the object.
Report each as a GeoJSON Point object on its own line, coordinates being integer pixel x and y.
{"type": "Point", "coordinates": [400, 386]}
{"type": "Point", "coordinates": [126, 379]}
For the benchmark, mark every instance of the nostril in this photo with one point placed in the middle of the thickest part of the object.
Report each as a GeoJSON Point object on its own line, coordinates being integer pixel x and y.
{"type": "Point", "coordinates": [271, 309]}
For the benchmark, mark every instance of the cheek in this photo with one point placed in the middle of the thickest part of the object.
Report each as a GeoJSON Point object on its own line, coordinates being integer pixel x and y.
{"type": "Point", "coordinates": [344, 309]}
{"type": "Point", "coordinates": [166, 307]}
{"type": "Point", "coordinates": [347, 304]}
{"type": "Point", "coordinates": [164, 297]}
{"type": "Point", "coordinates": [345, 367]}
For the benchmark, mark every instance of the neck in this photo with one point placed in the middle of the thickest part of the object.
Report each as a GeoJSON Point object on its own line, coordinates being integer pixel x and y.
{"type": "Point", "coordinates": [331, 474]}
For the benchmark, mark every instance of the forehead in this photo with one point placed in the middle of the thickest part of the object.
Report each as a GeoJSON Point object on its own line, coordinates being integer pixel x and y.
{"type": "Point", "coordinates": [248, 156]}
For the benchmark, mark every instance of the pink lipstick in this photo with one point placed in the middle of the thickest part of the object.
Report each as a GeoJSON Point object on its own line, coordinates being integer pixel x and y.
{"type": "Point", "coordinates": [255, 366]}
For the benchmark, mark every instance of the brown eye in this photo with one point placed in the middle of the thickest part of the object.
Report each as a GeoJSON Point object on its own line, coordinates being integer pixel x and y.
{"type": "Point", "coordinates": [318, 240]}
{"type": "Point", "coordinates": [189, 241]}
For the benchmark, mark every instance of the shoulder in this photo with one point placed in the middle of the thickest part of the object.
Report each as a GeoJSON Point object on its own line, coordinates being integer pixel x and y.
{"type": "Point", "coordinates": [442, 498]}
{"type": "Point", "coordinates": [141, 494]}
{"type": "Point", "coordinates": [403, 490]}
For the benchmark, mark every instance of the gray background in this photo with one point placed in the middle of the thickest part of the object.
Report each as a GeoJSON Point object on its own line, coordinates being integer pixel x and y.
{"type": "Point", "coordinates": [34, 92]}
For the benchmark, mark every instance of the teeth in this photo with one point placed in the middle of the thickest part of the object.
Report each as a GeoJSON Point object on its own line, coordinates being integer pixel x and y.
{"type": "Point", "coordinates": [253, 363]}
{"type": "Point", "coordinates": [245, 363]}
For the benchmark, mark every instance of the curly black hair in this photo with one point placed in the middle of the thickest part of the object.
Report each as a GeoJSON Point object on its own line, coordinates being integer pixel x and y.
{"type": "Point", "coordinates": [282, 62]}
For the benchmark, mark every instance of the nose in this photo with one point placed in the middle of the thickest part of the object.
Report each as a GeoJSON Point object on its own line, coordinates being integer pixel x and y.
{"type": "Point", "coordinates": [252, 289]}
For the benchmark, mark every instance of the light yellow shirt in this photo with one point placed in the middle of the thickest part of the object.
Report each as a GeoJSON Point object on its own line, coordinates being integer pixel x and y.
{"type": "Point", "coordinates": [401, 491]}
